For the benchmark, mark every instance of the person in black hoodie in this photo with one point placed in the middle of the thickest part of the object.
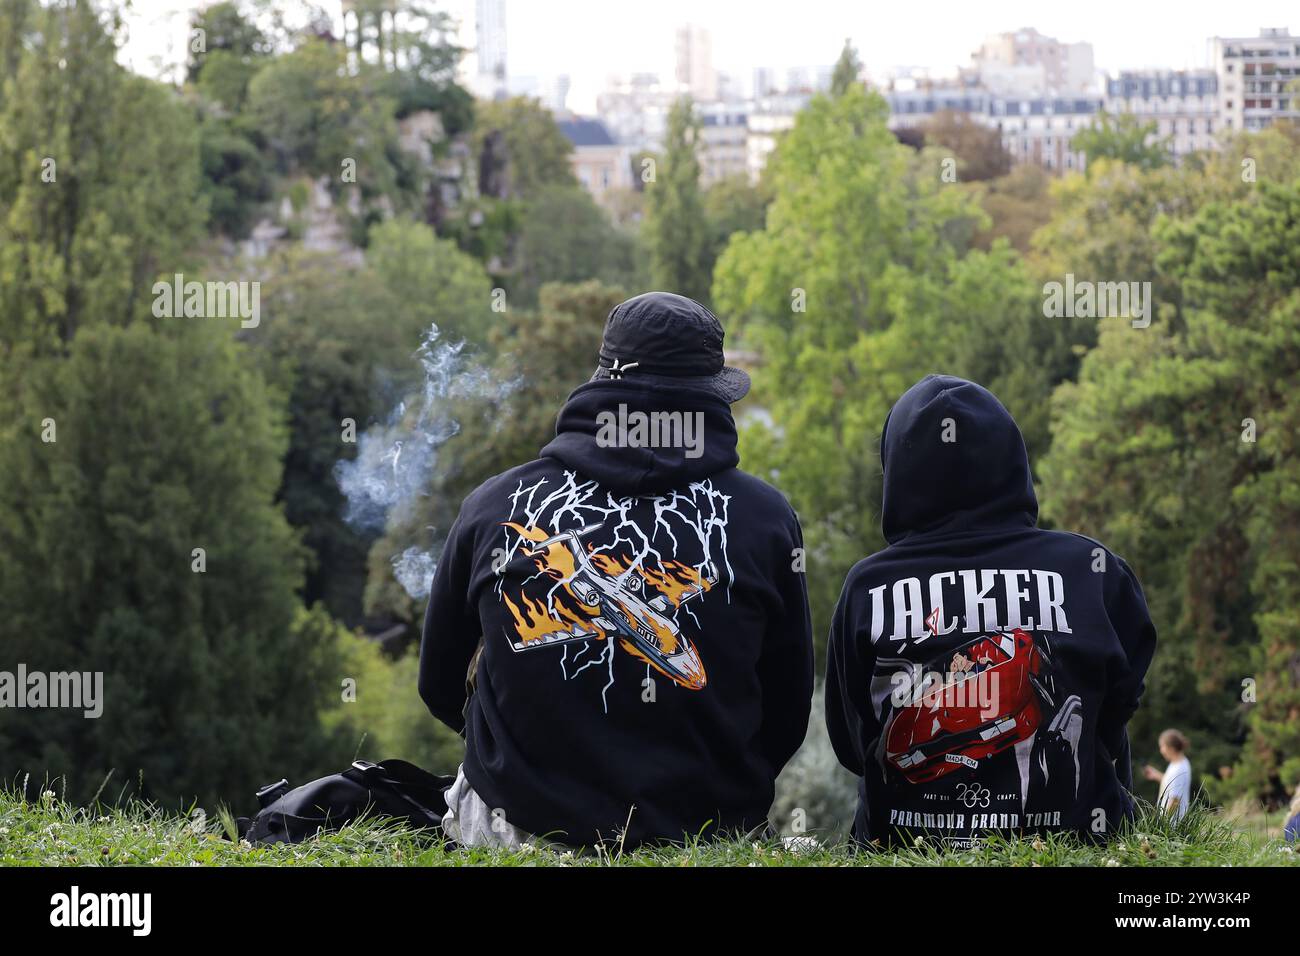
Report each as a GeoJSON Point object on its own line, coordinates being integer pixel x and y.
{"type": "Point", "coordinates": [981, 671]}
{"type": "Point", "coordinates": [646, 655]}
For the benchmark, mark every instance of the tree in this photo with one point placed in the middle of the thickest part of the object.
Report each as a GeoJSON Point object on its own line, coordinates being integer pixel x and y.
{"type": "Point", "coordinates": [314, 114]}
{"type": "Point", "coordinates": [1018, 205]}
{"type": "Point", "coordinates": [423, 65]}
{"type": "Point", "coordinates": [522, 134]}
{"type": "Point", "coordinates": [977, 148]}
{"type": "Point", "coordinates": [224, 30]}
{"type": "Point", "coordinates": [340, 343]}
{"type": "Point", "coordinates": [847, 70]}
{"type": "Point", "coordinates": [565, 237]}
{"type": "Point", "coordinates": [430, 282]}
{"type": "Point", "coordinates": [732, 205]}
{"type": "Point", "coordinates": [1124, 138]}
{"type": "Point", "coordinates": [386, 717]}
{"type": "Point", "coordinates": [861, 282]}
{"type": "Point", "coordinates": [676, 231]}
{"type": "Point", "coordinates": [225, 79]}
{"type": "Point", "coordinates": [99, 183]}
{"type": "Point", "coordinates": [235, 175]}
{"type": "Point", "coordinates": [1156, 452]}
{"type": "Point", "coordinates": [17, 27]}
{"type": "Point", "coordinates": [139, 539]}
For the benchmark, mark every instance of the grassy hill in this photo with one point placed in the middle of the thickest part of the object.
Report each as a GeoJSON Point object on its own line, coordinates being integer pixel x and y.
{"type": "Point", "coordinates": [52, 833]}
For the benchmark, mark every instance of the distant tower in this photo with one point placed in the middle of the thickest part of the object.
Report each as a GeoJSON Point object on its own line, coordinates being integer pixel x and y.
{"type": "Point", "coordinates": [560, 93]}
{"type": "Point", "coordinates": [695, 73]}
{"type": "Point", "coordinates": [481, 33]}
{"type": "Point", "coordinates": [490, 25]}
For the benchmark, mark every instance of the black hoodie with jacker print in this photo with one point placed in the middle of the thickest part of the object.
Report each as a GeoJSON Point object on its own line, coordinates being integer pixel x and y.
{"type": "Point", "coordinates": [981, 671]}
{"type": "Point", "coordinates": [646, 668]}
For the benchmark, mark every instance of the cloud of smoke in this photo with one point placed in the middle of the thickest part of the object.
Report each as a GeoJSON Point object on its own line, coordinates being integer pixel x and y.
{"type": "Point", "coordinates": [397, 461]}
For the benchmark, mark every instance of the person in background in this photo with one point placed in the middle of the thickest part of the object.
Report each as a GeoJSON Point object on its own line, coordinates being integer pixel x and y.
{"type": "Point", "coordinates": [1292, 829]}
{"type": "Point", "coordinates": [1176, 781]}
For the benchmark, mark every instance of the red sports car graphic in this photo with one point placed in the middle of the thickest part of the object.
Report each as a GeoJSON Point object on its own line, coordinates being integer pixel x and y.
{"type": "Point", "coordinates": [951, 724]}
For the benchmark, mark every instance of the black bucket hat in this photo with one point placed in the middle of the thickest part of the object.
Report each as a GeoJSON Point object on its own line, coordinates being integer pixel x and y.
{"type": "Point", "coordinates": [669, 338]}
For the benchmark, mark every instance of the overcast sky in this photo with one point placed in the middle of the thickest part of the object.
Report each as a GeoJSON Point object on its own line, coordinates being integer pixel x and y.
{"type": "Point", "coordinates": [589, 39]}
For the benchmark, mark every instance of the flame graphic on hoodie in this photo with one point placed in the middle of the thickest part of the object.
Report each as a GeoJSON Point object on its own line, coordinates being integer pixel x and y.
{"type": "Point", "coordinates": [563, 610]}
{"type": "Point", "coordinates": [533, 618]}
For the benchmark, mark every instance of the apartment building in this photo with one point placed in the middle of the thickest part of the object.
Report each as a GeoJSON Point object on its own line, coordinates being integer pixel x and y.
{"type": "Point", "coordinates": [695, 74]}
{"type": "Point", "coordinates": [635, 110]}
{"type": "Point", "coordinates": [1258, 78]}
{"type": "Point", "coordinates": [1182, 103]}
{"type": "Point", "coordinates": [1034, 128]}
{"type": "Point", "coordinates": [481, 32]}
{"type": "Point", "coordinates": [1041, 129]}
{"type": "Point", "coordinates": [723, 146]}
{"type": "Point", "coordinates": [600, 164]}
{"type": "Point", "coordinates": [768, 118]}
{"type": "Point", "coordinates": [1029, 62]}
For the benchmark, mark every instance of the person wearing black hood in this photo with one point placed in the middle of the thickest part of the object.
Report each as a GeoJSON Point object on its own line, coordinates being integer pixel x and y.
{"type": "Point", "coordinates": [981, 671]}
{"type": "Point", "coordinates": [646, 656]}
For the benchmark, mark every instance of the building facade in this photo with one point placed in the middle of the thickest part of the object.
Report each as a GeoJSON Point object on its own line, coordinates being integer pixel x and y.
{"type": "Point", "coordinates": [481, 31]}
{"type": "Point", "coordinates": [695, 73]}
{"type": "Point", "coordinates": [601, 165]}
{"type": "Point", "coordinates": [1183, 105]}
{"type": "Point", "coordinates": [767, 119]}
{"type": "Point", "coordinates": [1258, 77]}
{"type": "Point", "coordinates": [1034, 128]}
{"type": "Point", "coordinates": [1028, 57]}
{"type": "Point", "coordinates": [635, 110]}
{"type": "Point", "coordinates": [723, 146]}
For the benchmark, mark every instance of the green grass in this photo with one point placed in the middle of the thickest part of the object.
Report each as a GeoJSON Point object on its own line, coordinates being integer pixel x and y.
{"type": "Point", "coordinates": [52, 833]}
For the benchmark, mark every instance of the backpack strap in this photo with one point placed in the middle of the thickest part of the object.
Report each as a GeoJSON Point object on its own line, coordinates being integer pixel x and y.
{"type": "Point", "coordinates": [422, 791]}
{"type": "Point", "coordinates": [272, 792]}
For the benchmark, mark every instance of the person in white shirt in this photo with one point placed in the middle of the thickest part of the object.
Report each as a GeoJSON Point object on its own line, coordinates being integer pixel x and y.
{"type": "Point", "coordinates": [1176, 781]}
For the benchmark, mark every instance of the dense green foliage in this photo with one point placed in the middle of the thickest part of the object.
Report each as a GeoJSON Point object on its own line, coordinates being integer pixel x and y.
{"type": "Point", "coordinates": [143, 542]}
{"type": "Point", "coordinates": [1125, 138]}
{"type": "Point", "coordinates": [677, 233]}
{"type": "Point", "coordinates": [1177, 444]}
{"type": "Point", "coordinates": [864, 280]}
{"type": "Point", "coordinates": [99, 180]}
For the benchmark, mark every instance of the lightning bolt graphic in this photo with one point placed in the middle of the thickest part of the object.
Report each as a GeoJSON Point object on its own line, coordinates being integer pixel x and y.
{"type": "Point", "coordinates": [654, 530]}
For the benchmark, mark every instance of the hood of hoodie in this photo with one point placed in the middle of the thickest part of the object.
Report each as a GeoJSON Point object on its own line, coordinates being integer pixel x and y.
{"type": "Point", "coordinates": [978, 478]}
{"type": "Point", "coordinates": [583, 428]}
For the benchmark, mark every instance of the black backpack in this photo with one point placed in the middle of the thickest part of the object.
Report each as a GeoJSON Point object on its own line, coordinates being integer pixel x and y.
{"type": "Point", "coordinates": [392, 788]}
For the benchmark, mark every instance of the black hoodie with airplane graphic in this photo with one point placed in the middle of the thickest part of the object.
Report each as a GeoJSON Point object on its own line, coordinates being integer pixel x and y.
{"type": "Point", "coordinates": [646, 664]}
{"type": "Point", "coordinates": [981, 671]}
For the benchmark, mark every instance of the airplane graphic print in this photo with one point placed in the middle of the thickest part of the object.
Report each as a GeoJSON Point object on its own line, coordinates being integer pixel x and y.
{"type": "Point", "coordinates": [587, 573]}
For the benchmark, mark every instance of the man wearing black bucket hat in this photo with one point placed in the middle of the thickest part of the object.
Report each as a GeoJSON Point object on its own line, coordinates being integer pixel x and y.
{"type": "Point", "coordinates": [644, 665]}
